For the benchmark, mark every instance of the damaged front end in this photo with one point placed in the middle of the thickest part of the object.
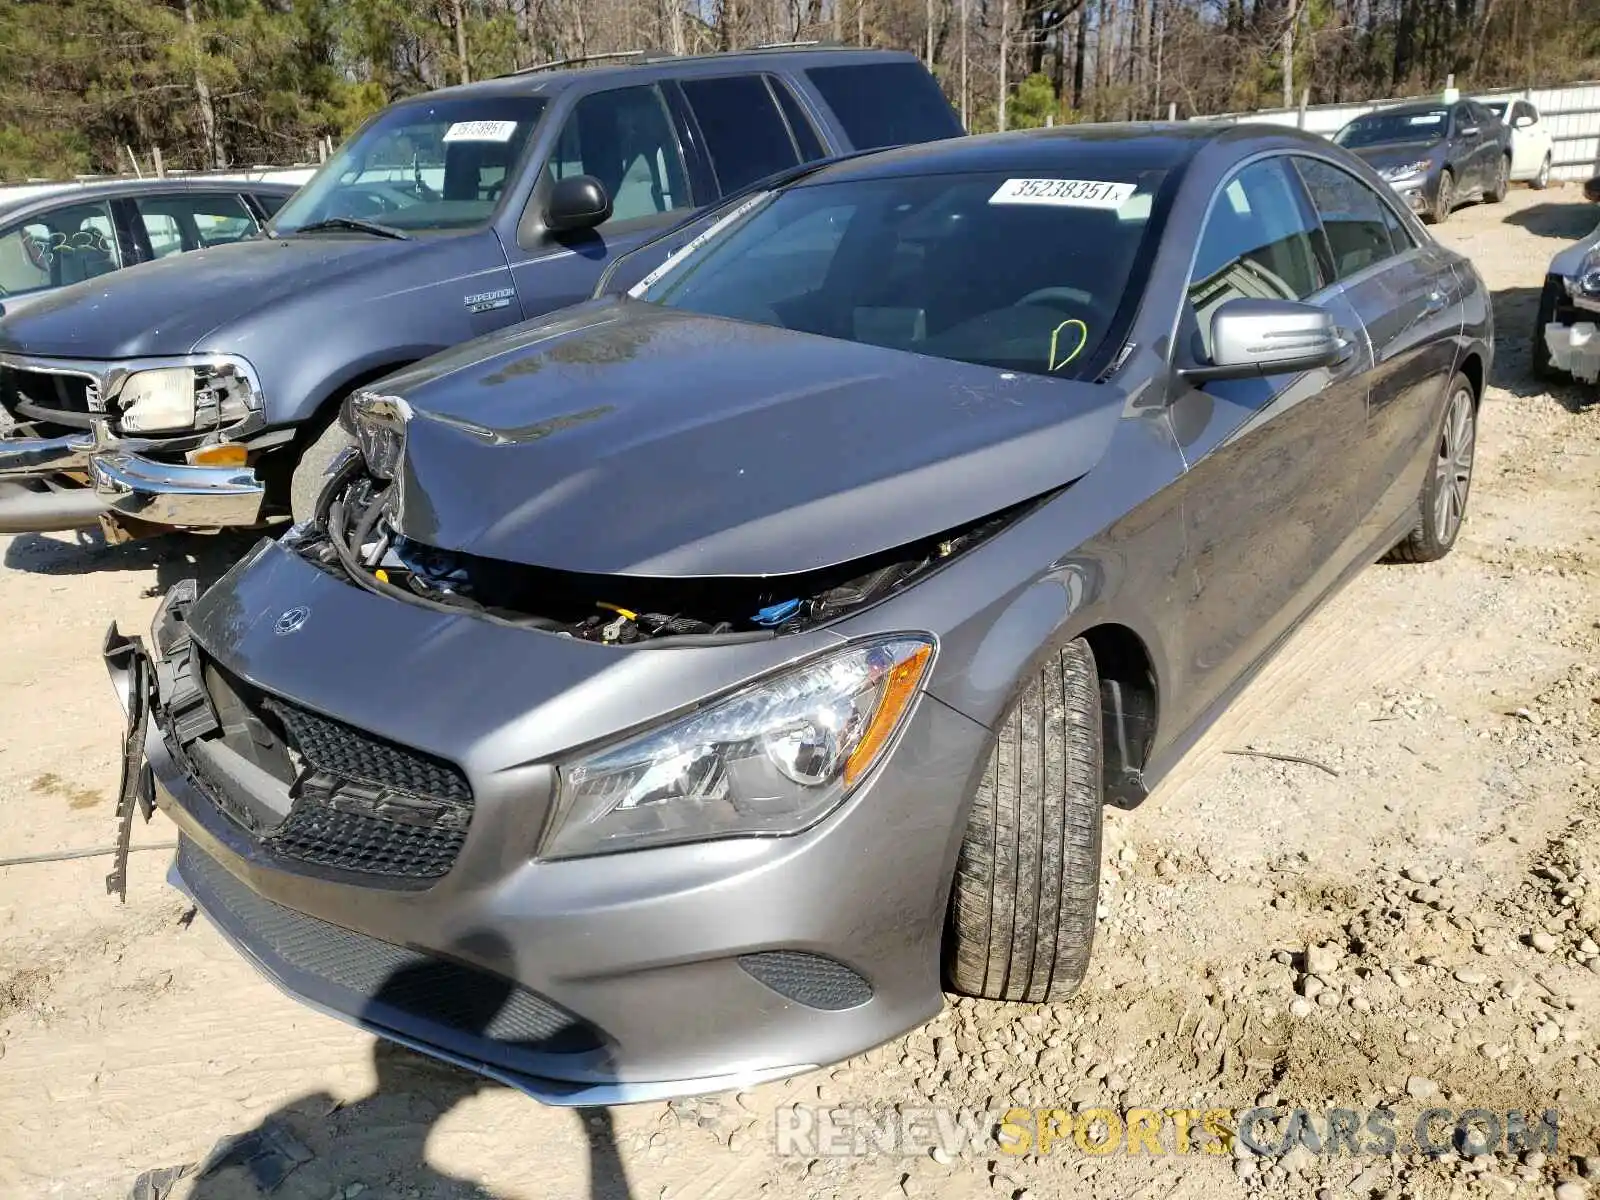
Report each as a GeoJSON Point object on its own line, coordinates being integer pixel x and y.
{"type": "Point", "coordinates": [356, 537]}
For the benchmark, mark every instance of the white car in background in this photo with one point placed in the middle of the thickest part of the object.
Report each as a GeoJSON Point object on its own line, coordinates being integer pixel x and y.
{"type": "Point", "coordinates": [1532, 147]}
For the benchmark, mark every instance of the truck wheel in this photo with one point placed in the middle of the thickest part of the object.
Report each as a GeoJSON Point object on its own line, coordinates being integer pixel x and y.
{"type": "Point", "coordinates": [1022, 911]}
{"type": "Point", "coordinates": [1442, 504]}
{"type": "Point", "coordinates": [1502, 182]}
{"type": "Point", "coordinates": [305, 485]}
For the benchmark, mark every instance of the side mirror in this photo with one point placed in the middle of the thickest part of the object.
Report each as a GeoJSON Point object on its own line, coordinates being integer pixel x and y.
{"type": "Point", "coordinates": [1524, 122]}
{"type": "Point", "coordinates": [1269, 337]}
{"type": "Point", "coordinates": [578, 202]}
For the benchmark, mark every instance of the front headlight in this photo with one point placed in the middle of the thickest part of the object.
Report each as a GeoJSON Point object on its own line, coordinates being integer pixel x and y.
{"type": "Point", "coordinates": [196, 395]}
{"type": "Point", "coordinates": [1586, 282]}
{"type": "Point", "coordinates": [158, 401]}
{"type": "Point", "coordinates": [771, 759]}
{"type": "Point", "coordinates": [1420, 167]}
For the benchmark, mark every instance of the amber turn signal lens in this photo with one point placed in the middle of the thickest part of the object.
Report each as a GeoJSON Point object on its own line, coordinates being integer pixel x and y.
{"type": "Point", "coordinates": [898, 691]}
{"type": "Point", "coordinates": [228, 454]}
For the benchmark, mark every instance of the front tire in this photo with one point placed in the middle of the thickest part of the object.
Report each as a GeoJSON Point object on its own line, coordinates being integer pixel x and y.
{"type": "Point", "coordinates": [1442, 504]}
{"type": "Point", "coordinates": [1444, 200]}
{"type": "Point", "coordinates": [1542, 366]}
{"type": "Point", "coordinates": [1502, 182]}
{"type": "Point", "coordinates": [310, 473]}
{"type": "Point", "coordinates": [1542, 180]}
{"type": "Point", "coordinates": [1022, 911]}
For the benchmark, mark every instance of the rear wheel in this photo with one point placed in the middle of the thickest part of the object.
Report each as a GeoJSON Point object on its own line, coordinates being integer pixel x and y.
{"type": "Point", "coordinates": [1542, 180]}
{"type": "Point", "coordinates": [1442, 505]}
{"type": "Point", "coordinates": [1502, 181]}
{"type": "Point", "coordinates": [1022, 912]}
{"type": "Point", "coordinates": [1444, 200]}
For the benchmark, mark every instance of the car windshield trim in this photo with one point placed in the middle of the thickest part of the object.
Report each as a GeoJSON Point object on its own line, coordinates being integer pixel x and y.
{"type": "Point", "coordinates": [418, 168]}
{"type": "Point", "coordinates": [946, 234]}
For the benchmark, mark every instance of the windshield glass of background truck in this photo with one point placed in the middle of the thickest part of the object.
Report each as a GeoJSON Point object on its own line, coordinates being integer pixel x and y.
{"type": "Point", "coordinates": [1019, 274]}
{"type": "Point", "coordinates": [420, 167]}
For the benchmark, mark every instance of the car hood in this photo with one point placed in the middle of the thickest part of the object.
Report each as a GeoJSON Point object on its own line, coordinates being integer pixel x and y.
{"type": "Point", "coordinates": [623, 438]}
{"type": "Point", "coordinates": [170, 305]}
{"type": "Point", "coordinates": [1396, 154]}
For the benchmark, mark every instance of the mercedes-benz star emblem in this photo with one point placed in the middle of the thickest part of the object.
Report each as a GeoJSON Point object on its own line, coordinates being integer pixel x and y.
{"type": "Point", "coordinates": [291, 620]}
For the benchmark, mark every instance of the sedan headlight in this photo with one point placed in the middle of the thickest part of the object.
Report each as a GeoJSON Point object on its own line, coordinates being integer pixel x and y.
{"type": "Point", "coordinates": [1406, 171]}
{"type": "Point", "coordinates": [1586, 282]}
{"type": "Point", "coordinates": [773, 758]}
{"type": "Point", "coordinates": [158, 401]}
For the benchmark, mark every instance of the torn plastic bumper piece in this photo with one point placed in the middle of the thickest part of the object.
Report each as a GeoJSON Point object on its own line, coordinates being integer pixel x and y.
{"type": "Point", "coordinates": [1575, 349]}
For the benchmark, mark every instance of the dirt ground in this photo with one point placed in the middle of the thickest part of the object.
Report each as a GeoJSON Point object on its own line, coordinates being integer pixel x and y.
{"type": "Point", "coordinates": [1439, 859]}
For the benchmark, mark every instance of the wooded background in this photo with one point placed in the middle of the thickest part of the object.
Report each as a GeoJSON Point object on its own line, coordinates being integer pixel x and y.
{"type": "Point", "coordinates": [240, 82]}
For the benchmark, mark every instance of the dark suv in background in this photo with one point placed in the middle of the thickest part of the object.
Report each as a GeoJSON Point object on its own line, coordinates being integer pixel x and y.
{"type": "Point", "coordinates": [202, 391]}
{"type": "Point", "coordinates": [1435, 154]}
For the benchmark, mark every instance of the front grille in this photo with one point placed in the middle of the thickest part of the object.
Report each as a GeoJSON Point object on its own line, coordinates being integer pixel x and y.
{"type": "Point", "coordinates": [342, 750]}
{"type": "Point", "coordinates": [385, 981]}
{"type": "Point", "coordinates": [37, 395]}
{"type": "Point", "coordinates": [349, 841]}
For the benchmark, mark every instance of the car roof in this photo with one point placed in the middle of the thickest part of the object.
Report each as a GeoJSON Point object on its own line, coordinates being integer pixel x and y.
{"type": "Point", "coordinates": [1152, 145]}
{"type": "Point", "coordinates": [649, 69]}
{"type": "Point", "coordinates": [50, 195]}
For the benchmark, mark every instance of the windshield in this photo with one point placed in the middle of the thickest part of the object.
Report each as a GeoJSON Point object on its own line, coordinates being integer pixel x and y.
{"type": "Point", "coordinates": [1020, 274]}
{"type": "Point", "coordinates": [1379, 128]}
{"type": "Point", "coordinates": [420, 167]}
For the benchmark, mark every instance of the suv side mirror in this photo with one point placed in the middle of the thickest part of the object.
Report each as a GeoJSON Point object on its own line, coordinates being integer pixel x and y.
{"type": "Point", "coordinates": [1524, 120]}
{"type": "Point", "coordinates": [1269, 337]}
{"type": "Point", "coordinates": [578, 202]}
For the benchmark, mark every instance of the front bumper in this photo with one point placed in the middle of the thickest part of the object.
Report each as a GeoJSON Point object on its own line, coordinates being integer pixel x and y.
{"type": "Point", "coordinates": [1575, 349]}
{"type": "Point", "coordinates": [67, 482]}
{"type": "Point", "coordinates": [636, 976]}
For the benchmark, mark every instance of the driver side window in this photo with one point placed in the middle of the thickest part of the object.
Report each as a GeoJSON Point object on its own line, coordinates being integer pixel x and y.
{"type": "Point", "coordinates": [625, 139]}
{"type": "Point", "coordinates": [1256, 244]}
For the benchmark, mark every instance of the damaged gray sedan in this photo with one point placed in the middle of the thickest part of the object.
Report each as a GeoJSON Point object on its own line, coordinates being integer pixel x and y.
{"type": "Point", "coordinates": [687, 689]}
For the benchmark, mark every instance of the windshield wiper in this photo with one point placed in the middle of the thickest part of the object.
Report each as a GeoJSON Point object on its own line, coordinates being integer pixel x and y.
{"type": "Point", "coordinates": [373, 227]}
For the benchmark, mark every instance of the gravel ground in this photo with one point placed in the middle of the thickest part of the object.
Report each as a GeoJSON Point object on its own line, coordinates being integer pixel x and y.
{"type": "Point", "coordinates": [1408, 920]}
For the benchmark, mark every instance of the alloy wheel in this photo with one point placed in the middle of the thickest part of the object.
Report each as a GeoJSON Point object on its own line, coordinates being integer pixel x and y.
{"type": "Point", "coordinates": [1446, 199]}
{"type": "Point", "coordinates": [1543, 178]}
{"type": "Point", "coordinates": [1453, 468]}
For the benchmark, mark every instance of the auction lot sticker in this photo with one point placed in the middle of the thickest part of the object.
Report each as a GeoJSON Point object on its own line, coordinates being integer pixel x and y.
{"type": "Point", "coordinates": [1064, 193]}
{"type": "Point", "coordinates": [480, 131]}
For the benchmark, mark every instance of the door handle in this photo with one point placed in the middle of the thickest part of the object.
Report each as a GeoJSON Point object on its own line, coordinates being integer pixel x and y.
{"type": "Point", "coordinates": [1435, 302]}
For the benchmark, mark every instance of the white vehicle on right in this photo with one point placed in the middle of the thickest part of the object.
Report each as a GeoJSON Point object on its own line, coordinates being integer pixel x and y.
{"type": "Point", "coordinates": [1532, 147]}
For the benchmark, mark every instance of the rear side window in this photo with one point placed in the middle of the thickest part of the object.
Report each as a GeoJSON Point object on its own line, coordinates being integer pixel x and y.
{"type": "Point", "coordinates": [744, 131]}
{"type": "Point", "coordinates": [62, 246]}
{"type": "Point", "coordinates": [805, 134]}
{"type": "Point", "coordinates": [886, 103]}
{"type": "Point", "coordinates": [1352, 217]}
{"type": "Point", "coordinates": [1256, 244]}
{"type": "Point", "coordinates": [191, 221]}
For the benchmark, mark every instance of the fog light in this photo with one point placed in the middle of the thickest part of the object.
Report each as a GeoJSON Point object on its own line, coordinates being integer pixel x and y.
{"type": "Point", "coordinates": [228, 454]}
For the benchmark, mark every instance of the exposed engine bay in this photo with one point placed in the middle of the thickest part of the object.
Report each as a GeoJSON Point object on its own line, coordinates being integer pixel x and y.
{"type": "Point", "coordinates": [355, 539]}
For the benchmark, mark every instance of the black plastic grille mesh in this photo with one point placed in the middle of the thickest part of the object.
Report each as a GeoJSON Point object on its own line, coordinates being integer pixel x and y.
{"type": "Point", "coordinates": [342, 750]}
{"type": "Point", "coordinates": [809, 979]}
{"type": "Point", "coordinates": [386, 975]}
{"type": "Point", "coordinates": [349, 841]}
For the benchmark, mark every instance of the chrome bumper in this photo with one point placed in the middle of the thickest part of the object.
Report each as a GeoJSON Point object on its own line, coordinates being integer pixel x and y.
{"type": "Point", "coordinates": [35, 498]}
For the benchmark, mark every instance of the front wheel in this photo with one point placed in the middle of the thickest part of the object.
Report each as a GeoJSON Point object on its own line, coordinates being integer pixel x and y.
{"type": "Point", "coordinates": [1022, 911]}
{"type": "Point", "coordinates": [1442, 504]}
{"type": "Point", "coordinates": [310, 473]}
{"type": "Point", "coordinates": [1502, 182]}
{"type": "Point", "coordinates": [1444, 200]}
{"type": "Point", "coordinates": [1542, 180]}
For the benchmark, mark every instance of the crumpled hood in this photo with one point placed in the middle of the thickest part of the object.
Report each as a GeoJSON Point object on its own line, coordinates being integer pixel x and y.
{"type": "Point", "coordinates": [622, 438]}
{"type": "Point", "coordinates": [170, 305]}
{"type": "Point", "coordinates": [1396, 154]}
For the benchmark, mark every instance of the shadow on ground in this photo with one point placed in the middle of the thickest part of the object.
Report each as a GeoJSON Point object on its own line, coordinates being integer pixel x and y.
{"type": "Point", "coordinates": [315, 1148]}
{"type": "Point", "coordinates": [172, 556]}
{"type": "Point", "coordinates": [1566, 221]}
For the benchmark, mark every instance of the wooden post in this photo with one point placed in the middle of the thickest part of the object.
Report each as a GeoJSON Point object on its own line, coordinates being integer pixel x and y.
{"type": "Point", "coordinates": [1305, 101]}
{"type": "Point", "coordinates": [134, 159]}
{"type": "Point", "coordinates": [964, 101]}
{"type": "Point", "coordinates": [1001, 105]}
{"type": "Point", "coordinates": [1172, 111]}
{"type": "Point", "coordinates": [155, 156]}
